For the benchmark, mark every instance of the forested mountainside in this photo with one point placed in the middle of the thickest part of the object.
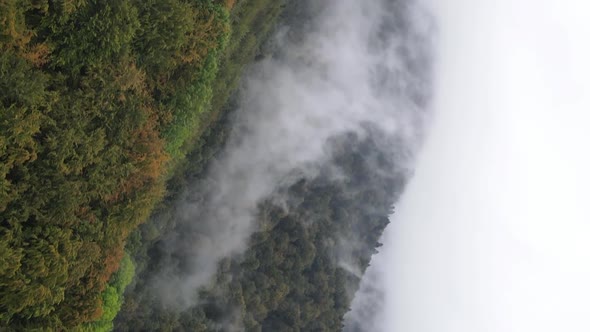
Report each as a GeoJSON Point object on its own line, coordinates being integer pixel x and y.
{"type": "Point", "coordinates": [100, 101]}
{"type": "Point", "coordinates": [301, 267]}
{"type": "Point", "coordinates": [113, 116]}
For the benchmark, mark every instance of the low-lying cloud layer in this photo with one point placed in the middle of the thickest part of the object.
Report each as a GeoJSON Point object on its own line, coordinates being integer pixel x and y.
{"type": "Point", "coordinates": [355, 63]}
{"type": "Point", "coordinates": [492, 233]}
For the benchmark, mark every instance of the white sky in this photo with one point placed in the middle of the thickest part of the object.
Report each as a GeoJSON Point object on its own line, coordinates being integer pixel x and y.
{"type": "Point", "coordinates": [493, 233]}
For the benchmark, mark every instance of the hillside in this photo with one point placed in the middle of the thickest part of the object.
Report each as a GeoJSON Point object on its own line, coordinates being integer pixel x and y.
{"type": "Point", "coordinates": [146, 184]}
{"type": "Point", "coordinates": [100, 103]}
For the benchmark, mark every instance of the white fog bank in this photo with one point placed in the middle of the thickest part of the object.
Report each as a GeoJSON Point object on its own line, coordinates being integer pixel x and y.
{"type": "Point", "coordinates": [493, 232]}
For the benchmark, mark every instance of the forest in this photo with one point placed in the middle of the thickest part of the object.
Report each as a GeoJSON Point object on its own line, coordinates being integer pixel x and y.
{"type": "Point", "coordinates": [109, 110]}
{"type": "Point", "coordinates": [301, 268]}
{"type": "Point", "coordinates": [100, 103]}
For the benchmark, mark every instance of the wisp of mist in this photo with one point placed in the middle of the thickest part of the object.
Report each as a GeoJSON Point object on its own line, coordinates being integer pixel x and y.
{"type": "Point", "coordinates": [354, 63]}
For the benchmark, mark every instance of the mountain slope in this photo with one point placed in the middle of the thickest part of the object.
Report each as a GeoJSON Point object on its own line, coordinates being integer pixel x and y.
{"type": "Point", "coordinates": [97, 99]}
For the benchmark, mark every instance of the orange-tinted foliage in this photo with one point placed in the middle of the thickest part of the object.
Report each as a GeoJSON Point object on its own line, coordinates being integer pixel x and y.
{"type": "Point", "coordinates": [229, 4]}
{"type": "Point", "coordinates": [147, 155]}
{"type": "Point", "coordinates": [111, 261]}
{"type": "Point", "coordinates": [37, 54]}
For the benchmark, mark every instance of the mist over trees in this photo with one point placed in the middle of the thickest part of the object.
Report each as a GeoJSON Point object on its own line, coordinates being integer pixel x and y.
{"type": "Point", "coordinates": [310, 236]}
{"type": "Point", "coordinates": [115, 114]}
{"type": "Point", "coordinates": [301, 268]}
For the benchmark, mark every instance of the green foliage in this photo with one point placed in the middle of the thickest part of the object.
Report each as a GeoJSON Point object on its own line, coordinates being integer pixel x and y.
{"type": "Point", "coordinates": [94, 105]}
{"type": "Point", "coordinates": [112, 297]}
{"type": "Point", "coordinates": [180, 54]}
{"type": "Point", "coordinates": [108, 29]}
{"type": "Point", "coordinates": [251, 20]}
{"type": "Point", "coordinates": [23, 92]}
{"type": "Point", "coordinates": [190, 105]}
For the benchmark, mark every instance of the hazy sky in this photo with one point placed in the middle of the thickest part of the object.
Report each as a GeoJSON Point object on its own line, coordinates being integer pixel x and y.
{"type": "Point", "coordinates": [493, 233]}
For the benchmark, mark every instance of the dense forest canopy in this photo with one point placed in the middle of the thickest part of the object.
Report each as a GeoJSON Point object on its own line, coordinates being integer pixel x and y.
{"type": "Point", "coordinates": [99, 100]}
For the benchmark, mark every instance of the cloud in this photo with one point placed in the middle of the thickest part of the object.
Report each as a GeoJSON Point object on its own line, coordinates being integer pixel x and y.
{"type": "Point", "coordinates": [492, 232]}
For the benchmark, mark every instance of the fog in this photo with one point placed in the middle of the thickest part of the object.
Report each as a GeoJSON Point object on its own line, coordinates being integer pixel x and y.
{"type": "Point", "coordinates": [352, 64]}
{"type": "Point", "coordinates": [492, 232]}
